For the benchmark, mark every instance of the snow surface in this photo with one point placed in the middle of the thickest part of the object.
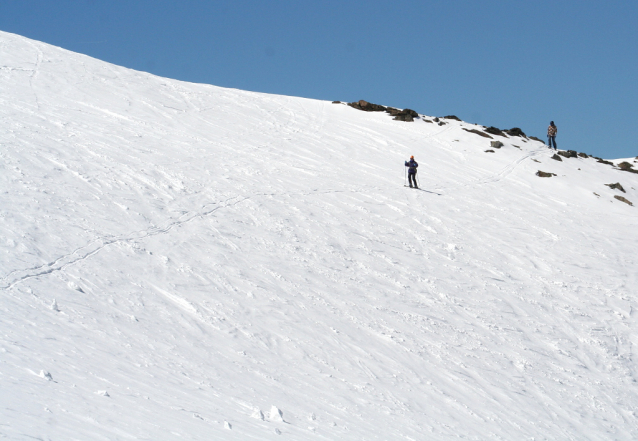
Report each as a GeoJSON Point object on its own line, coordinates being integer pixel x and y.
{"type": "Point", "coordinates": [184, 261]}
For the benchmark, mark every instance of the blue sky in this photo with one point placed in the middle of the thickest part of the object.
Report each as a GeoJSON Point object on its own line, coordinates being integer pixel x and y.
{"type": "Point", "coordinates": [493, 62]}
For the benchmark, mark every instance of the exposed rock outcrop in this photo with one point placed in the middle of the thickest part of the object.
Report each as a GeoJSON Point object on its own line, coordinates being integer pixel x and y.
{"type": "Point", "coordinates": [494, 131]}
{"type": "Point", "coordinates": [602, 161]}
{"type": "Point", "coordinates": [402, 115]}
{"type": "Point", "coordinates": [516, 132]}
{"type": "Point", "coordinates": [616, 186]}
{"type": "Point", "coordinates": [622, 199]}
{"type": "Point", "coordinates": [367, 107]}
{"type": "Point", "coordinates": [478, 132]}
{"type": "Point", "coordinates": [568, 153]}
{"type": "Point", "coordinates": [399, 115]}
{"type": "Point", "coordinates": [626, 166]}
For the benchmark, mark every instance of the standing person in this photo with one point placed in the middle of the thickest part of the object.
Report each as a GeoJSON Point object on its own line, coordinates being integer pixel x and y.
{"type": "Point", "coordinates": [412, 165]}
{"type": "Point", "coordinates": [552, 130]}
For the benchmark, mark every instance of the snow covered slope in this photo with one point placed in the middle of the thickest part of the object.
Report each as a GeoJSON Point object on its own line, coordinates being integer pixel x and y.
{"type": "Point", "coordinates": [177, 259]}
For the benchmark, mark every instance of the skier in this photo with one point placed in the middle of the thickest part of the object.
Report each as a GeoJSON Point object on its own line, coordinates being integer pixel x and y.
{"type": "Point", "coordinates": [552, 130]}
{"type": "Point", "coordinates": [412, 165]}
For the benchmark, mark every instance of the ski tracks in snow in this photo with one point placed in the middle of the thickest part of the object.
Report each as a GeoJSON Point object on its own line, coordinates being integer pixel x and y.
{"type": "Point", "coordinates": [34, 74]}
{"type": "Point", "coordinates": [95, 246]}
{"type": "Point", "coordinates": [507, 170]}
{"type": "Point", "coordinates": [498, 176]}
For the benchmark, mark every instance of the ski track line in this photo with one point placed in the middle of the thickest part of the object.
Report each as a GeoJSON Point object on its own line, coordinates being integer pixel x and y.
{"type": "Point", "coordinates": [96, 245]}
{"type": "Point", "coordinates": [35, 72]}
{"type": "Point", "coordinates": [508, 169]}
{"type": "Point", "coordinates": [16, 277]}
{"type": "Point", "coordinates": [499, 176]}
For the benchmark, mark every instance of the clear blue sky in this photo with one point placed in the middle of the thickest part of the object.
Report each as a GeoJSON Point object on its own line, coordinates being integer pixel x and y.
{"type": "Point", "coordinates": [493, 62]}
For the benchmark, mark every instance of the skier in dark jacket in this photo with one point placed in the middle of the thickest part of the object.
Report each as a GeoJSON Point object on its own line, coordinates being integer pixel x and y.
{"type": "Point", "coordinates": [412, 165]}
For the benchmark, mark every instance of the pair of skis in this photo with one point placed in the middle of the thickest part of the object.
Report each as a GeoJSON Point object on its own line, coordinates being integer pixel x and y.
{"type": "Point", "coordinates": [421, 189]}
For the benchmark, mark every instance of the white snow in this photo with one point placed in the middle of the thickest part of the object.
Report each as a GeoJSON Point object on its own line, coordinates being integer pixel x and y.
{"type": "Point", "coordinates": [276, 414]}
{"type": "Point", "coordinates": [196, 254]}
{"type": "Point", "coordinates": [47, 376]}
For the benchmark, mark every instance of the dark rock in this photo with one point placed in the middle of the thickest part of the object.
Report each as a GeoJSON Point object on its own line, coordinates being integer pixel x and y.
{"type": "Point", "coordinates": [602, 161]}
{"type": "Point", "coordinates": [392, 110]}
{"type": "Point", "coordinates": [436, 119]}
{"type": "Point", "coordinates": [583, 155]}
{"type": "Point", "coordinates": [620, 198]}
{"type": "Point", "coordinates": [543, 174]}
{"type": "Point", "coordinates": [428, 121]}
{"type": "Point", "coordinates": [494, 131]}
{"type": "Point", "coordinates": [452, 117]}
{"type": "Point", "coordinates": [626, 166]}
{"type": "Point", "coordinates": [489, 151]}
{"type": "Point", "coordinates": [536, 139]}
{"type": "Point", "coordinates": [478, 132]}
{"type": "Point", "coordinates": [336, 102]}
{"type": "Point", "coordinates": [367, 107]}
{"type": "Point", "coordinates": [568, 153]}
{"type": "Point", "coordinates": [496, 144]}
{"type": "Point", "coordinates": [556, 157]}
{"type": "Point", "coordinates": [441, 123]}
{"type": "Point", "coordinates": [516, 132]}
{"type": "Point", "coordinates": [616, 186]}
{"type": "Point", "coordinates": [403, 117]}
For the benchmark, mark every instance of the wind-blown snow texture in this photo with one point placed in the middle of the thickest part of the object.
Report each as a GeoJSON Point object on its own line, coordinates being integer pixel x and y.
{"type": "Point", "coordinates": [183, 261]}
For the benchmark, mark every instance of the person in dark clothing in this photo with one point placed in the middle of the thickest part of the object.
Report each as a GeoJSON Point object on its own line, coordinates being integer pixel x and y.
{"type": "Point", "coordinates": [412, 165]}
{"type": "Point", "coordinates": [552, 130]}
